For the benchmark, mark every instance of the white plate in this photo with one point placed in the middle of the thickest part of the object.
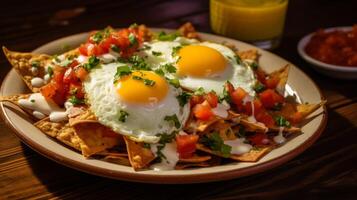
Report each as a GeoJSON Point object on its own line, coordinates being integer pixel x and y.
{"type": "Point", "coordinates": [342, 72]}
{"type": "Point", "coordinates": [48, 147]}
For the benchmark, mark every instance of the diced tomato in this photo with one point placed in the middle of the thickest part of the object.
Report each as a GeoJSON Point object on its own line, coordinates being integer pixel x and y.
{"type": "Point", "coordinates": [296, 118]}
{"type": "Point", "coordinates": [260, 74]}
{"type": "Point", "coordinates": [48, 90]}
{"type": "Point", "coordinates": [272, 82]}
{"type": "Point", "coordinates": [238, 95]}
{"type": "Point", "coordinates": [203, 111]}
{"type": "Point", "coordinates": [258, 106]}
{"type": "Point", "coordinates": [259, 139]}
{"type": "Point", "coordinates": [81, 73]}
{"type": "Point", "coordinates": [186, 145]}
{"type": "Point", "coordinates": [69, 76]}
{"type": "Point", "coordinates": [265, 118]}
{"type": "Point", "coordinates": [212, 99]}
{"type": "Point", "coordinates": [74, 63]}
{"type": "Point", "coordinates": [270, 98]}
{"type": "Point", "coordinates": [83, 49]}
{"type": "Point", "coordinates": [196, 99]}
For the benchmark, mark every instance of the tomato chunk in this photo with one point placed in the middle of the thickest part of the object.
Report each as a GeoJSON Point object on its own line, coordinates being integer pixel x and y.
{"type": "Point", "coordinates": [265, 118]}
{"type": "Point", "coordinates": [259, 139]}
{"type": "Point", "coordinates": [296, 118]}
{"type": "Point", "coordinates": [238, 95]}
{"type": "Point", "coordinates": [196, 99]}
{"type": "Point", "coordinates": [186, 145]}
{"type": "Point", "coordinates": [272, 82]}
{"type": "Point", "coordinates": [212, 99]}
{"type": "Point", "coordinates": [203, 111]}
{"type": "Point", "coordinates": [258, 106]}
{"type": "Point", "coordinates": [270, 98]}
{"type": "Point", "coordinates": [81, 73]}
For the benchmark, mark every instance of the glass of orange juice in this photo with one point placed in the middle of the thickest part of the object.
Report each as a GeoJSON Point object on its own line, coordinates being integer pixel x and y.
{"type": "Point", "coordinates": [260, 22]}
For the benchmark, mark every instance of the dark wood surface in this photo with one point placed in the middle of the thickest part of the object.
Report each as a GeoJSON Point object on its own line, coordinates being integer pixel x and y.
{"type": "Point", "coordinates": [326, 170]}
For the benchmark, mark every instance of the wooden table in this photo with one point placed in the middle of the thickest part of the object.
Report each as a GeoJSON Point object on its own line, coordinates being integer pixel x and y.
{"type": "Point", "coordinates": [328, 169]}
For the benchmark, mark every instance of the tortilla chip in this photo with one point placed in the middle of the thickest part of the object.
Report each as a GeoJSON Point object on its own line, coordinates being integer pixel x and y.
{"type": "Point", "coordinates": [195, 159]}
{"type": "Point", "coordinates": [307, 109]}
{"type": "Point", "coordinates": [180, 166]}
{"type": "Point", "coordinates": [61, 131]}
{"type": "Point", "coordinates": [282, 74]}
{"type": "Point", "coordinates": [95, 138]}
{"type": "Point", "coordinates": [253, 126]}
{"type": "Point", "coordinates": [85, 116]}
{"type": "Point", "coordinates": [22, 63]}
{"type": "Point", "coordinates": [251, 54]}
{"type": "Point", "coordinates": [252, 156]}
{"type": "Point", "coordinates": [139, 156]}
{"type": "Point", "coordinates": [287, 130]}
{"type": "Point", "coordinates": [121, 160]}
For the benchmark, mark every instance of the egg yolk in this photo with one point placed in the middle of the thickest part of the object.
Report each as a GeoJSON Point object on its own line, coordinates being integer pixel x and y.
{"type": "Point", "coordinates": [200, 61]}
{"type": "Point", "coordinates": [143, 87]}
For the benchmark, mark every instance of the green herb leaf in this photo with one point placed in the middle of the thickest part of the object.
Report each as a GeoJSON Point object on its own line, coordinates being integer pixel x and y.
{"type": "Point", "coordinates": [50, 71]}
{"type": "Point", "coordinates": [200, 91]}
{"type": "Point", "coordinates": [238, 59]}
{"type": "Point", "coordinates": [138, 63]}
{"type": "Point", "coordinates": [122, 71]}
{"type": "Point", "coordinates": [167, 36]}
{"type": "Point", "coordinates": [32, 100]}
{"type": "Point", "coordinates": [259, 87]}
{"type": "Point", "coordinates": [183, 98]}
{"type": "Point", "coordinates": [76, 101]}
{"type": "Point", "coordinates": [114, 48]}
{"type": "Point", "coordinates": [175, 50]}
{"type": "Point", "coordinates": [92, 63]}
{"type": "Point", "coordinates": [35, 64]}
{"type": "Point", "coordinates": [98, 37]}
{"type": "Point", "coordinates": [166, 138]}
{"type": "Point", "coordinates": [254, 65]}
{"type": "Point", "coordinates": [281, 121]}
{"type": "Point", "coordinates": [156, 53]}
{"type": "Point", "coordinates": [225, 95]}
{"type": "Point", "coordinates": [159, 72]}
{"type": "Point", "coordinates": [170, 68]}
{"type": "Point", "coordinates": [149, 82]}
{"type": "Point", "coordinates": [215, 142]}
{"type": "Point", "coordinates": [174, 82]}
{"type": "Point", "coordinates": [132, 39]}
{"type": "Point", "coordinates": [123, 115]}
{"type": "Point", "coordinates": [174, 119]}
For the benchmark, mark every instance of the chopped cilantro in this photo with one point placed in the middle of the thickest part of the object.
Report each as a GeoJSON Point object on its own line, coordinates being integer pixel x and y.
{"type": "Point", "coordinates": [115, 48]}
{"type": "Point", "coordinates": [132, 39]}
{"type": "Point", "coordinates": [259, 87]}
{"type": "Point", "coordinates": [123, 115]}
{"type": "Point", "coordinates": [156, 53]}
{"type": "Point", "coordinates": [122, 71]}
{"type": "Point", "coordinates": [215, 142]}
{"type": "Point", "coordinates": [238, 59]}
{"type": "Point", "coordinates": [76, 101]}
{"type": "Point", "coordinates": [200, 91]}
{"type": "Point", "coordinates": [50, 70]}
{"type": "Point", "coordinates": [159, 72]}
{"type": "Point", "coordinates": [138, 63]}
{"type": "Point", "coordinates": [163, 36]}
{"type": "Point", "coordinates": [97, 37]}
{"type": "Point", "coordinates": [66, 62]}
{"type": "Point", "coordinates": [225, 95]}
{"type": "Point", "coordinates": [183, 98]}
{"type": "Point", "coordinates": [174, 119]}
{"type": "Point", "coordinates": [166, 138]}
{"type": "Point", "coordinates": [55, 57]}
{"type": "Point", "coordinates": [169, 68]}
{"type": "Point", "coordinates": [35, 64]}
{"type": "Point", "coordinates": [281, 121]}
{"type": "Point", "coordinates": [254, 65]}
{"type": "Point", "coordinates": [149, 82]}
{"type": "Point", "coordinates": [174, 82]}
{"type": "Point", "coordinates": [92, 63]}
{"type": "Point", "coordinates": [175, 50]}
{"type": "Point", "coordinates": [145, 47]}
{"type": "Point", "coordinates": [32, 100]}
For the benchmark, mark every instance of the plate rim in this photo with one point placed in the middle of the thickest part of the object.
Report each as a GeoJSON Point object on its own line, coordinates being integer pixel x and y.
{"type": "Point", "coordinates": [168, 179]}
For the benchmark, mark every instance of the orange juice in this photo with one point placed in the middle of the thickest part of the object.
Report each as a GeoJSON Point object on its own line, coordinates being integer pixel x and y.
{"type": "Point", "coordinates": [248, 20]}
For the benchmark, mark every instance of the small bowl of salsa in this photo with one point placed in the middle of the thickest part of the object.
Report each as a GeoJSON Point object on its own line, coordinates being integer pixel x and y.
{"type": "Point", "coordinates": [332, 51]}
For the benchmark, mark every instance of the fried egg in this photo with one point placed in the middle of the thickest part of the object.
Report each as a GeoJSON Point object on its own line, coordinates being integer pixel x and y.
{"type": "Point", "coordinates": [132, 107]}
{"type": "Point", "coordinates": [204, 65]}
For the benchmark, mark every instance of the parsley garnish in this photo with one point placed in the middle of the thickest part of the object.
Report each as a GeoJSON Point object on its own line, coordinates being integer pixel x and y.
{"type": "Point", "coordinates": [132, 39]}
{"type": "Point", "coordinates": [50, 71]}
{"type": "Point", "coordinates": [115, 48]}
{"type": "Point", "coordinates": [76, 101]}
{"type": "Point", "coordinates": [122, 71]}
{"type": "Point", "coordinates": [92, 62]}
{"type": "Point", "coordinates": [123, 115]}
{"type": "Point", "coordinates": [259, 87]}
{"type": "Point", "coordinates": [183, 98]}
{"type": "Point", "coordinates": [156, 53]}
{"type": "Point", "coordinates": [175, 50]}
{"type": "Point", "coordinates": [174, 119]}
{"type": "Point", "coordinates": [97, 37]}
{"type": "Point", "coordinates": [35, 64]}
{"type": "Point", "coordinates": [215, 142]}
{"type": "Point", "coordinates": [169, 68]}
{"type": "Point", "coordinates": [167, 36]}
{"type": "Point", "coordinates": [238, 59]}
{"type": "Point", "coordinates": [174, 82]}
{"type": "Point", "coordinates": [254, 65]}
{"type": "Point", "coordinates": [200, 91]}
{"type": "Point", "coordinates": [281, 121]}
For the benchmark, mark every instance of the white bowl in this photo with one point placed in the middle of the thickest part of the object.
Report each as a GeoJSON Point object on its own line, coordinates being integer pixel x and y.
{"type": "Point", "coordinates": [336, 71]}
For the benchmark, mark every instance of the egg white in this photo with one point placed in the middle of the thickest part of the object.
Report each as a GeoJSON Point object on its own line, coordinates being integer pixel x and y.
{"type": "Point", "coordinates": [240, 75]}
{"type": "Point", "coordinates": [144, 121]}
